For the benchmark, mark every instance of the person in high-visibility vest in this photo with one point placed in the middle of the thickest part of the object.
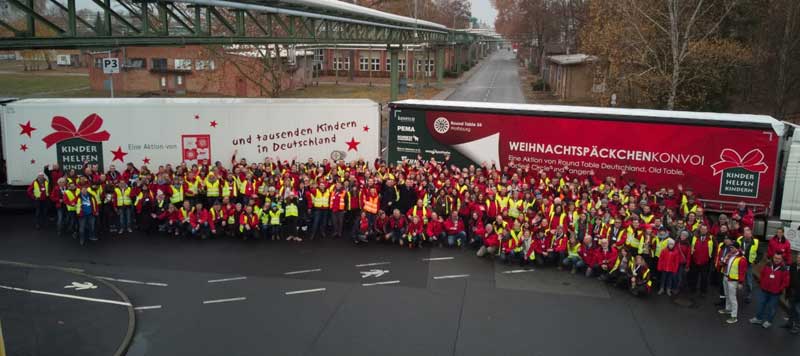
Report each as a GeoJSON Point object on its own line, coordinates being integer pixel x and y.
{"type": "Point", "coordinates": [274, 221]}
{"type": "Point", "coordinates": [124, 207]}
{"type": "Point", "coordinates": [176, 193]}
{"type": "Point", "coordinates": [39, 191]}
{"type": "Point", "coordinates": [191, 187]}
{"type": "Point", "coordinates": [749, 246]}
{"type": "Point", "coordinates": [212, 189]}
{"type": "Point", "coordinates": [641, 282]}
{"type": "Point", "coordinates": [338, 207]}
{"type": "Point", "coordinates": [291, 214]}
{"type": "Point", "coordinates": [620, 274]}
{"type": "Point", "coordinates": [248, 224]}
{"type": "Point", "coordinates": [86, 214]}
{"type": "Point", "coordinates": [217, 220]}
{"type": "Point", "coordinates": [734, 267]}
{"type": "Point", "coordinates": [320, 199]}
{"type": "Point", "coordinates": [371, 202]}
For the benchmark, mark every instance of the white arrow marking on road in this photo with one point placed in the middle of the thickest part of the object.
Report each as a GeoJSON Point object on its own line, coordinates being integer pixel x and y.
{"type": "Point", "coordinates": [81, 286]}
{"type": "Point", "coordinates": [374, 273]}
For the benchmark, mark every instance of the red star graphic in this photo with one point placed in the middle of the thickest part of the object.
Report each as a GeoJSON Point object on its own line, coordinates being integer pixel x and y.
{"type": "Point", "coordinates": [213, 124]}
{"type": "Point", "coordinates": [119, 155]}
{"type": "Point", "coordinates": [27, 129]}
{"type": "Point", "coordinates": [33, 161]}
{"type": "Point", "coordinates": [146, 160]}
{"type": "Point", "coordinates": [23, 147]}
{"type": "Point", "coordinates": [353, 144]}
{"type": "Point", "coordinates": [366, 128]}
{"type": "Point", "coordinates": [197, 117]}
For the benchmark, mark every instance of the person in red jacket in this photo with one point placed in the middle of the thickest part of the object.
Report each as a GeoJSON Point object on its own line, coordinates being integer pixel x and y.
{"type": "Point", "coordinates": [363, 229]}
{"type": "Point", "coordinates": [779, 245]}
{"type": "Point", "coordinates": [588, 254]}
{"type": "Point", "coordinates": [744, 215]}
{"type": "Point", "coordinates": [774, 280]}
{"type": "Point", "coordinates": [702, 250]}
{"type": "Point", "coordinates": [200, 220]}
{"type": "Point", "coordinates": [395, 227]}
{"type": "Point", "coordinates": [172, 220]}
{"type": "Point", "coordinates": [668, 264]}
{"type": "Point", "coordinates": [559, 242]}
{"type": "Point", "coordinates": [541, 248]}
{"type": "Point", "coordinates": [218, 219]}
{"type": "Point", "coordinates": [454, 229]}
{"type": "Point", "coordinates": [511, 249]}
{"type": "Point", "coordinates": [606, 257]}
{"type": "Point", "coordinates": [434, 231]}
{"type": "Point", "coordinates": [414, 233]}
{"type": "Point", "coordinates": [248, 224]}
{"type": "Point", "coordinates": [476, 231]}
{"type": "Point", "coordinates": [683, 245]}
{"type": "Point", "coordinates": [490, 242]}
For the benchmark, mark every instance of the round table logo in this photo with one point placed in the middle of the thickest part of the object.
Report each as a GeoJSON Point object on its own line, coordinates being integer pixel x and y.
{"type": "Point", "coordinates": [441, 125]}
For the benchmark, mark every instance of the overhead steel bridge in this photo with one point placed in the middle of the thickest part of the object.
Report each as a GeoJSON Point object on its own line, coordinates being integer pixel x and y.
{"type": "Point", "coordinates": [196, 22]}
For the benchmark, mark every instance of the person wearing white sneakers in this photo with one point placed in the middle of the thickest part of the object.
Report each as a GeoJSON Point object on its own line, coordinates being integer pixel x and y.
{"type": "Point", "coordinates": [734, 270]}
{"type": "Point", "coordinates": [774, 279]}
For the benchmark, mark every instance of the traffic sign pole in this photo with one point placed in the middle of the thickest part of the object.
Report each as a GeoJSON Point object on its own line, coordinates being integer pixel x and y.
{"type": "Point", "coordinates": [111, 78]}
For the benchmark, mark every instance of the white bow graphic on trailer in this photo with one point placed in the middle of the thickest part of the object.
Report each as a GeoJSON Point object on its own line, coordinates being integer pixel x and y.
{"type": "Point", "coordinates": [374, 273]}
{"type": "Point", "coordinates": [81, 286]}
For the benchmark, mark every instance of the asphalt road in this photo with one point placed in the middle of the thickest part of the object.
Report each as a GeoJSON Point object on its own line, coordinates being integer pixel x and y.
{"type": "Point", "coordinates": [262, 297]}
{"type": "Point", "coordinates": [496, 81]}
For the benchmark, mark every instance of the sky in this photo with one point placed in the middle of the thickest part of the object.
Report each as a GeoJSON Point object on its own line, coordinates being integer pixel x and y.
{"type": "Point", "coordinates": [483, 10]}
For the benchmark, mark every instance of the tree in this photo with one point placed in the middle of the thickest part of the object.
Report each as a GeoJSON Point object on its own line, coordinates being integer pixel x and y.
{"type": "Point", "coordinates": [259, 65]}
{"type": "Point", "coordinates": [666, 53]}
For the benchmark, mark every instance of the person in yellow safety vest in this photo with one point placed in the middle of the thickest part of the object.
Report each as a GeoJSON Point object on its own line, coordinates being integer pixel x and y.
{"type": "Point", "coordinates": [271, 222]}
{"type": "Point", "coordinates": [734, 270]}
{"type": "Point", "coordinates": [71, 203]}
{"type": "Point", "coordinates": [248, 223]}
{"type": "Point", "coordinates": [633, 237]}
{"type": "Point", "coordinates": [212, 188]}
{"type": "Point", "coordinates": [39, 191]}
{"type": "Point", "coordinates": [515, 206]}
{"type": "Point", "coordinates": [749, 246]}
{"type": "Point", "coordinates": [184, 227]}
{"type": "Point", "coordinates": [176, 193]}
{"type": "Point", "coordinates": [499, 225]}
{"type": "Point", "coordinates": [124, 207]}
{"type": "Point", "coordinates": [291, 215]}
{"type": "Point", "coordinates": [641, 283]}
{"type": "Point", "coordinates": [371, 202]}
{"type": "Point", "coordinates": [228, 189]}
{"type": "Point", "coordinates": [573, 255]}
{"type": "Point", "coordinates": [191, 187]}
{"type": "Point", "coordinates": [320, 199]}
{"type": "Point", "coordinates": [621, 273]}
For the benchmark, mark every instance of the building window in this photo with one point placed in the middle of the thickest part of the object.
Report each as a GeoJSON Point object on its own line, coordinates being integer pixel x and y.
{"type": "Point", "coordinates": [376, 64]}
{"type": "Point", "coordinates": [98, 62]}
{"type": "Point", "coordinates": [319, 59]}
{"type": "Point", "coordinates": [163, 82]}
{"type": "Point", "coordinates": [341, 63]}
{"type": "Point", "coordinates": [183, 64]}
{"type": "Point", "coordinates": [426, 65]}
{"type": "Point", "coordinates": [204, 65]}
{"type": "Point", "coordinates": [136, 63]}
{"type": "Point", "coordinates": [363, 64]}
{"type": "Point", "coordinates": [179, 79]}
{"type": "Point", "coordinates": [159, 63]}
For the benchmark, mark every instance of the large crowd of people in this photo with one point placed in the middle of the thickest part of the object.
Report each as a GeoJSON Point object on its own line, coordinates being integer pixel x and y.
{"type": "Point", "coordinates": [620, 231]}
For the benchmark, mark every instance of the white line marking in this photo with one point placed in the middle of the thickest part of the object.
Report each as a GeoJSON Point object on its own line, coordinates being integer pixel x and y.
{"type": "Point", "coordinates": [451, 276]}
{"type": "Point", "coordinates": [226, 279]}
{"type": "Point", "coordinates": [379, 283]}
{"type": "Point", "coordinates": [157, 284]}
{"type": "Point", "coordinates": [303, 271]}
{"type": "Point", "coordinates": [70, 296]}
{"type": "Point", "coordinates": [518, 271]}
{"type": "Point", "coordinates": [438, 259]}
{"type": "Point", "coordinates": [224, 300]}
{"type": "Point", "coordinates": [373, 264]}
{"type": "Point", "coordinates": [148, 307]}
{"type": "Point", "coordinates": [306, 291]}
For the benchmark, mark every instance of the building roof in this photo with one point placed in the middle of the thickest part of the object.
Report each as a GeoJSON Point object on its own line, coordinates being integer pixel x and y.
{"type": "Point", "coordinates": [570, 59]}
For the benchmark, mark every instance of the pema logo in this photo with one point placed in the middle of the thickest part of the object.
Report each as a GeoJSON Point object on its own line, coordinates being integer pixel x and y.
{"type": "Point", "coordinates": [441, 125]}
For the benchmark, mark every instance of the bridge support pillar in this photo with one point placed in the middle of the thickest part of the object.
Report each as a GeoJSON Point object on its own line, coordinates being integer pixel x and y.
{"type": "Point", "coordinates": [394, 76]}
{"type": "Point", "coordinates": [439, 66]}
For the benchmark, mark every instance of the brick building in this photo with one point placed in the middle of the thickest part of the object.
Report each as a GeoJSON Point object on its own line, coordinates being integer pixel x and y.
{"type": "Point", "coordinates": [374, 61]}
{"type": "Point", "coordinates": [570, 76]}
{"type": "Point", "coordinates": [196, 69]}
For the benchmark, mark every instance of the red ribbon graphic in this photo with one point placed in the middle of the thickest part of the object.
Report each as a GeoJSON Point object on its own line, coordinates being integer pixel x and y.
{"type": "Point", "coordinates": [65, 130]}
{"type": "Point", "coordinates": [752, 161]}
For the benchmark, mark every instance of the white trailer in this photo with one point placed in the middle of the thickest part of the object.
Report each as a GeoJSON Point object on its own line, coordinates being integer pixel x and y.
{"type": "Point", "coordinates": [158, 131]}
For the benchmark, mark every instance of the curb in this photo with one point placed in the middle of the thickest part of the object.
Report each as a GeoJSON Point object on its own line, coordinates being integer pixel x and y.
{"type": "Point", "coordinates": [122, 349]}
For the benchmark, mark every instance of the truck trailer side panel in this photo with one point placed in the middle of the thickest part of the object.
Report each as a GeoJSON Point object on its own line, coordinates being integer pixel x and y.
{"type": "Point", "coordinates": [170, 131]}
{"type": "Point", "coordinates": [722, 161]}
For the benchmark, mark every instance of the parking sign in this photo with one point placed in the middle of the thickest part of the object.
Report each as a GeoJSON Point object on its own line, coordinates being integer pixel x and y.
{"type": "Point", "coordinates": [110, 65]}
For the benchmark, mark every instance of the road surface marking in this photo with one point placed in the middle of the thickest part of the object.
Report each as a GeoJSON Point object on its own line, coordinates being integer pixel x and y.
{"type": "Point", "coordinates": [81, 286]}
{"type": "Point", "coordinates": [373, 264]}
{"type": "Point", "coordinates": [518, 271]}
{"type": "Point", "coordinates": [31, 265]}
{"type": "Point", "coordinates": [377, 273]}
{"type": "Point", "coordinates": [451, 276]}
{"type": "Point", "coordinates": [157, 284]}
{"type": "Point", "coordinates": [306, 291]}
{"type": "Point", "coordinates": [70, 296]}
{"type": "Point", "coordinates": [379, 283]}
{"type": "Point", "coordinates": [226, 279]}
{"type": "Point", "coordinates": [303, 271]}
{"type": "Point", "coordinates": [224, 300]}
{"type": "Point", "coordinates": [438, 259]}
{"type": "Point", "coordinates": [148, 307]}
